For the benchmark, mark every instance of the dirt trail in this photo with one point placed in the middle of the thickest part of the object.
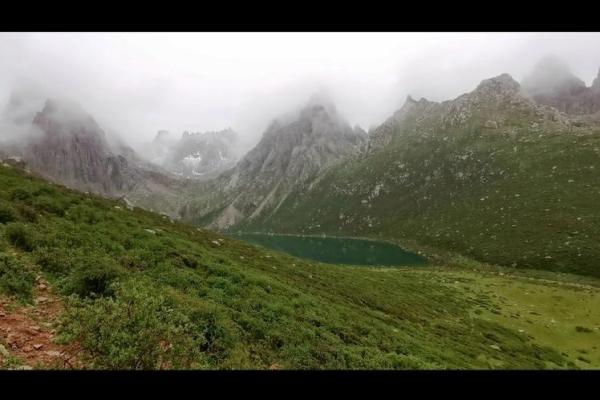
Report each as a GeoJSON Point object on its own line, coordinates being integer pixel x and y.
{"type": "Point", "coordinates": [27, 334]}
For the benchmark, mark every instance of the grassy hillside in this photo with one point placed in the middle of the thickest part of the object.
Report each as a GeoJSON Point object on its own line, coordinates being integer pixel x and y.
{"type": "Point", "coordinates": [143, 292]}
{"type": "Point", "coordinates": [140, 291]}
{"type": "Point", "coordinates": [516, 196]}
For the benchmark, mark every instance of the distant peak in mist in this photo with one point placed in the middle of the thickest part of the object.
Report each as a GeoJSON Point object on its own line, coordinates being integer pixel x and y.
{"type": "Point", "coordinates": [320, 101]}
{"type": "Point", "coordinates": [552, 74]}
{"type": "Point", "coordinates": [65, 107]}
{"type": "Point", "coordinates": [554, 66]}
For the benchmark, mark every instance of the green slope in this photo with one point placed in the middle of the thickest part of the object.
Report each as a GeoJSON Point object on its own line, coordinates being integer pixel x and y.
{"type": "Point", "coordinates": [144, 292]}
{"type": "Point", "coordinates": [524, 194]}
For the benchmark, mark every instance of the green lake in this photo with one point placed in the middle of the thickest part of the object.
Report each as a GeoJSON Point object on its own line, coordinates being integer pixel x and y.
{"type": "Point", "coordinates": [336, 250]}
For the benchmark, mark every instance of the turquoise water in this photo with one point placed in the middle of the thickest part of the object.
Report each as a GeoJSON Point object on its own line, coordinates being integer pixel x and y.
{"type": "Point", "coordinates": [336, 250]}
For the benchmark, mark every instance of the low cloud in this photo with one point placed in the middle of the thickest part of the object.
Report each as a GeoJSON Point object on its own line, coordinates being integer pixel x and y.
{"type": "Point", "coordinates": [137, 84]}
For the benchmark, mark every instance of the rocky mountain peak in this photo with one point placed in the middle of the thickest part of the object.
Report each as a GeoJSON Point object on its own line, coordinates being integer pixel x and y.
{"type": "Point", "coordinates": [162, 135]}
{"type": "Point", "coordinates": [24, 101]}
{"type": "Point", "coordinates": [73, 152]}
{"type": "Point", "coordinates": [290, 154]}
{"type": "Point", "coordinates": [66, 118]}
{"type": "Point", "coordinates": [552, 76]}
{"type": "Point", "coordinates": [501, 84]}
{"type": "Point", "coordinates": [321, 110]}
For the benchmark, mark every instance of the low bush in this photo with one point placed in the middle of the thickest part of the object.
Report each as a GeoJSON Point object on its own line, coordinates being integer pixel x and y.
{"type": "Point", "coordinates": [138, 329]}
{"type": "Point", "coordinates": [53, 205]}
{"type": "Point", "coordinates": [83, 214]}
{"type": "Point", "coordinates": [15, 279]}
{"type": "Point", "coordinates": [27, 213]}
{"type": "Point", "coordinates": [138, 259]}
{"type": "Point", "coordinates": [20, 235]}
{"type": "Point", "coordinates": [7, 214]}
{"type": "Point", "coordinates": [55, 260]}
{"type": "Point", "coordinates": [91, 276]}
{"type": "Point", "coordinates": [19, 194]}
{"type": "Point", "coordinates": [583, 329]}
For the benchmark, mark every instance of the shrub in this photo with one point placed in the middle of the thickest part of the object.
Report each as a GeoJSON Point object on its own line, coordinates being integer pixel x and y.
{"type": "Point", "coordinates": [55, 260]}
{"type": "Point", "coordinates": [138, 329]}
{"type": "Point", "coordinates": [7, 214]}
{"type": "Point", "coordinates": [183, 260]}
{"type": "Point", "coordinates": [84, 214]}
{"type": "Point", "coordinates": [20, 235]}
{"type": "Point", "coordinates": [91, 276]}
{"type": "Point", "coordinates": [45, 190]}
{"type": "Point", "coordinates": [140, 260]}
{"type": "Point", "coordinates": [52, 205]}
{"type": "Point", "coordinates": [27, 213]}
{"type": "Point", "coordinates": [15, 278]}
{"type": "Point", "coordinates": [19, 194]}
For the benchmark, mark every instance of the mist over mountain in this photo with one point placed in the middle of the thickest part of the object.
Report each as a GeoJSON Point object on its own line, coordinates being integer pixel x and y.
{"type": "Point", "coordinates": [64, 144]}
{"type": "Point", "coordinates": [152, 184]}
{"type": "Point", "coordinates": [552, 83]}
{"type": "Point", "coordinates": [462, 174]}
{"type": "Point", "coordinates": [292, 152]}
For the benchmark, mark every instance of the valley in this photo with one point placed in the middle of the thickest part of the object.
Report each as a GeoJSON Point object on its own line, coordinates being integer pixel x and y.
{"type": "Point", "coordinates": [456, 234]}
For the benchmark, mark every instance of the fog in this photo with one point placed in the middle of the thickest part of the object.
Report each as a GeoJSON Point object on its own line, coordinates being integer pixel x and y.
{"type": "Point", "coordinates": [136, 84]}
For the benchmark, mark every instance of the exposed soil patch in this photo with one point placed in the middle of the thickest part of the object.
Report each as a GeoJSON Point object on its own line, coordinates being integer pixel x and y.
{"type": "Point", "coordinates": [27, 333]}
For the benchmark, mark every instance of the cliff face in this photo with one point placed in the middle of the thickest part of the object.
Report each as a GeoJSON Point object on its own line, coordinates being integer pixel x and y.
{"type": "Point", "coordinates": [72, 149]}
{"type": "Point", "coordinates": [66, 145]}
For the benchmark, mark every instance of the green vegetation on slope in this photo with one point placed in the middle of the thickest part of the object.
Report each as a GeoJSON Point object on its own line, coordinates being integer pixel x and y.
{"type": "Point", "coordinates": [144, 292]}
{"type": "Point", "coordinates": [517, 197]}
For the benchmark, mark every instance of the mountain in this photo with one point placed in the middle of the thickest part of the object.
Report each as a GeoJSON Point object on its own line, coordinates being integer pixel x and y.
{"type": "Point", "coordinates": [552, 83]}
{"type": "Point", "coordinates": [74, 150]}
{"type": "Point", "coordinates": [490, 174]}
{"type": "Point", "coordinates": [66, 145]}
{"type": "Point", "coordinates": [203, 155]}
{"type": "Point", "coordinates": [128, 289]}
{"type": "Point", "coordinates": [291, 154]}
{"type": "Point", "coordinates": [199, 156]}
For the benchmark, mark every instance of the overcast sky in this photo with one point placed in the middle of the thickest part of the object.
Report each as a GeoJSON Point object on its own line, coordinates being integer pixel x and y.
{"type": "Point", "coordinates": [137, 84]}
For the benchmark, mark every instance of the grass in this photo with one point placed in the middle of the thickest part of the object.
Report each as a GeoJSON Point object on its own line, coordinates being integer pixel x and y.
{"type": "Point", "coordinates": [142, 292]}
{"type": "Point", "coordinates": [550, 312]}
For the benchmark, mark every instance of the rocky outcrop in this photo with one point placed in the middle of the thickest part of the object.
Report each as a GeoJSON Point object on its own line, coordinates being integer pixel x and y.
{"type": "Point", "coordinates": [383, 135]}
